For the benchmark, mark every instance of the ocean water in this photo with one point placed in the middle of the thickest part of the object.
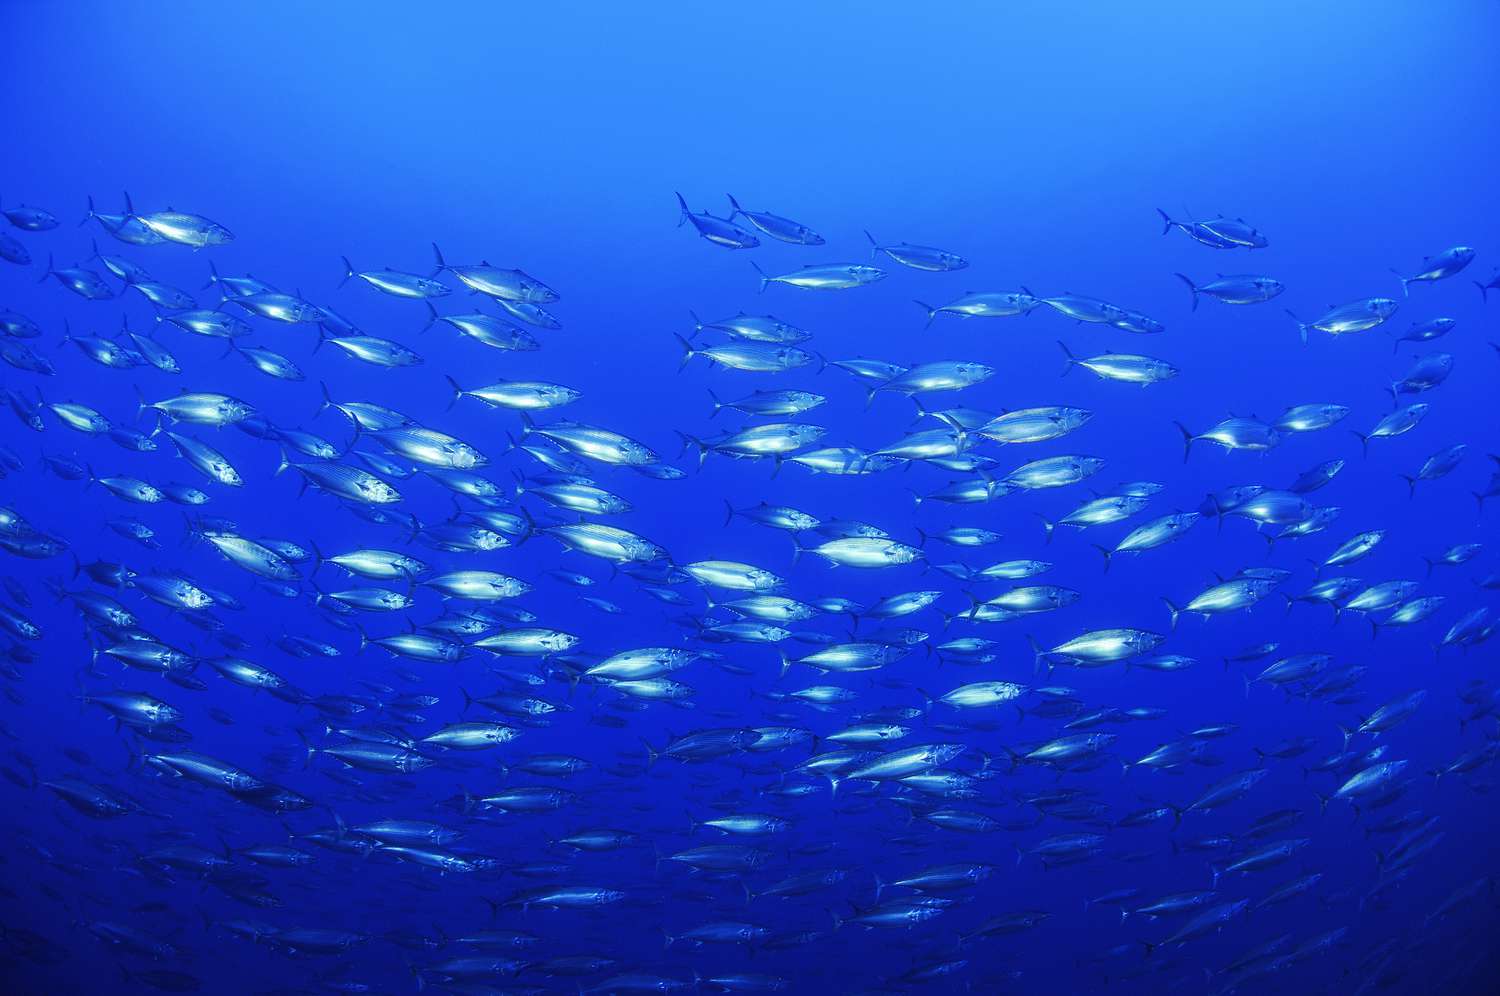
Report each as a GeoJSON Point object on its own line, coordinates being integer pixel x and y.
{"type": "Point", "coordinates": [1036, 143]}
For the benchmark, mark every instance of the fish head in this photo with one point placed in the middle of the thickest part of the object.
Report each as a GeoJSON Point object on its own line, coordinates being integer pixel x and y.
{"type": "Point", "coordinates": [1073, 418]}
{"type": "Point", "coordinates": [943, 753]}
{"type": "Point", "coordinates": [1090, 465]}
{"type": "Point", "coordinates": [535, 291]}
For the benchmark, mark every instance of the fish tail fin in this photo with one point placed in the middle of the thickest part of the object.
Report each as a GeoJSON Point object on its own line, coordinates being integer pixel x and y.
{"type": "Point", "coordinates": [1405, 282]}
{"type": "Point", "coordinates": [926, 701]}
{"type": "Point", "coordinates": [764, 280]}
{"type": "Point", "coordinates": [458, 392]}
{"type": "Point", "coordinates": [1037, 652]}
{"type": "Point", "coordinates": [734, 207]}
{"type": "Point", "coordinates": [728, 512]}
{"type": "Point", "coordinates": [1484, 292]}
{"type": "Point", "coordinates": [327, 401]}
{"type": "Point", "coordinates": [1364, 442]}
{"type": "Point", "coordinates": [687, 352]}
{"type": "Point", "coordinates": [931, 312]}
{"type": "Point", "coordinates": [1192, 288]}
{"type": "Point", "coordinates": [348, 270]}
{"type": "Point", "coordinates": [284, 462]}
{"type": "Point", "coordinates": [1049, 528]}
{"type": "Point", "coordinates": [1411, 488]}
{"type": "Point", "coordinates": [1072, 360]}
{"type": "Point", "coordinates": [437, 254]}
{"type": "Point", "coordinates": [652, 754]}
{"type": "Point", "coordinates": [94, 214]}
{"type": "Point", "coordinates": [874, 246]}
{"type": "Point", "coordinates": [1301, 325]}
{"type": "Point", "coordinates": [1106, 551]}
{"type": "Point", "coordinates": [1187, 440]}
{"type": "Point", "coordinates": [142, 406]}
{"type": "Point", "coordinates": [1166, 226]}
{"type": "Point", "coordinates": [685, 213]}
{"type": "Point", "coordinates": [47, 272]}
{"type": "Point", "coordinates": [1174, 610]}
{"type": "Point", "coordinates": [786, 663]}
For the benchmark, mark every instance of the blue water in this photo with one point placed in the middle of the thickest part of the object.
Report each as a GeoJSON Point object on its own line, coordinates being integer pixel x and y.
{"type": "Point", "coordinates": [1037, 144]}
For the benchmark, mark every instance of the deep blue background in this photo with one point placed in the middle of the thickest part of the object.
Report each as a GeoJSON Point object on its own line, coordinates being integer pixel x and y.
{"type": "Point", "coordinates": [1036, 142]}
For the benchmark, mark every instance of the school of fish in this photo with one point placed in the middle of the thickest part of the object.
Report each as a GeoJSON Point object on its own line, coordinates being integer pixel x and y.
{"type": "Point", "coordinates": [532, 795]}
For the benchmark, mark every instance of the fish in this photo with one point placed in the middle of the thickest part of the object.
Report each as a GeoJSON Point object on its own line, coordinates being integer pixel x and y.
{"type": "Point", "coordinates": [1397, 423]}
{"type": "Point", "coordinates": [774, 225]}
{"type": "Point", "coordinates": [985, 304]}
{"type": "Point", "coordinates": [720, 231]}
{"type": "Point", "coordinates": [183, 228]}
{"type": "Point", "coordinates": [1216, 233]}
{"type": "Point", "coordinates": [1232, 433]}
{"type": "Point", "coordinates": [917, 257]}
{"type": "Point", "coordinates": [831, 276]}
{"type": "Point", "coordinates": [513, 285]}
{"type": "Point", "coordinates": [488, 330]}
{"type": "Point", "coordinates": [81, 281]}
{"type": "Point", "coordinates": [1242, 288]}
{"type": "Point", "coordinates": [397, 284]}
{"type": "Point", "coordinates": [749, 356]}
{"type": "Point", "coordinates": [1346, 319]}
{"type": "Point", "coordinates": [1129, 368]}
{"type": "Point", "coordinates": [1439, 267]}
